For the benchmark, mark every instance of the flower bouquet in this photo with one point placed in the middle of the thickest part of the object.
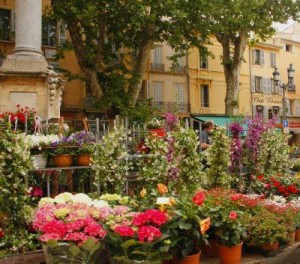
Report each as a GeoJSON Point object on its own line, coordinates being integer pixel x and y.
{"type": "Point", "coordinates": [69, 228]}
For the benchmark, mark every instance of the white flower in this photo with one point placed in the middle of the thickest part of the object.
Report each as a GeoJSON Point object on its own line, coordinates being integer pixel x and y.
{"type": "Point", "coordinates": [63, 197]}
{"type": "Point", "coordinates": [46, 200]}
{"type": "Point", "coordinates": [100, 203]}
{"type": "Point", "coordinates": [81, 198]}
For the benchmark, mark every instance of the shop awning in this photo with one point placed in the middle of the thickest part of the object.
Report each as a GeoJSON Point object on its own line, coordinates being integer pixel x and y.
{"type": "Point", "coordinates": [218, 120]}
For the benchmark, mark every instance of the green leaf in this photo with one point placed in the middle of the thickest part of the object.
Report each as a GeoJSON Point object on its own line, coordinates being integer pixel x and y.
{"type": "Point", "coordinates": [129, 243]}
{"type": "Point", "coordinates": [184, 225]}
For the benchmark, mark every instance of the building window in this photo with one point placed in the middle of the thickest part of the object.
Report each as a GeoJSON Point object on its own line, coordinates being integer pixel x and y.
{"type": "Point", "coordinates": [179, 97]}
{"type": "Point", "coordinates": [259, 110]}
{"type": "Point", "coordinates": [205, 95]}
{"type": "Point", "coordinates": [258, 57]}
{"type": "Point", "coordinates": [49, 32]}
{"type": "Point", "coordinates": [203, 58]}
{"type": "Point", "coordinates": [276, 111]}
{"type": "Point", "coordinates": [258, 84]}
{"type": "Point", "coordinates": [288, 48]}
{"type": "Point", "coordinates": [5, 24]}
{"type": "Point", "coordinates": [274, 88]}
{"type": "Point", "coordinates": [157, 59]}
{"type": "Point", "coordinates": [157, 92]}
{"type": "Point", "coordinates": [273, 59]}
{"type": "Point", "coordinates": [270, 113]}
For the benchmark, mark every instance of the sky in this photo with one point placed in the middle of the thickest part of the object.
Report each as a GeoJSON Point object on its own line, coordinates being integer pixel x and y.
{"type": "Point", "coordinates": [279, 26]}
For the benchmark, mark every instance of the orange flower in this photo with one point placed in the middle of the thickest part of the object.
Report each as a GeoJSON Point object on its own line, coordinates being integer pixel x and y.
{"type": "Point", "coordinates": [204, 225]}
{"type": "Point", "coordinates": [162, 189]}
{"type": "Point", "coordinates": [143, 192]}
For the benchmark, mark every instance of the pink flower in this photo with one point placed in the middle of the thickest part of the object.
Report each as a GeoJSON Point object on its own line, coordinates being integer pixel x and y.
{"type": "Point", "coordinates": [54, 226]}
{"type": "Point", "coordinates": [148, 233]}
{"type": "Point", "coordinates": [76, 236]}
{"type": "Point", "coordinates": [125, 231]}
{"type": "Point", "coordinates": [76, 225]}
{"type": "Point", "coordinates": [233, 215]}
{"type": "Point", "coordinates": [94, 229]}
{"type": "Point", "coordinates": [121, 209]}
{"type": "Point", "coordinates": [36, 192]}
{"type": "Point", "coordinates": [50, 236]}
{"type": "Point", "coordinates": [156, 217]}
{"type": "Point", "coordinates": [199, 198]}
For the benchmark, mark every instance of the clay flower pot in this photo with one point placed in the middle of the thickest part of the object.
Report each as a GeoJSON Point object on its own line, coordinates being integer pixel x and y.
{"type": "Point", "coordinates": [63, 160]}
{"type": "Point", "coordinates": [230, 255]}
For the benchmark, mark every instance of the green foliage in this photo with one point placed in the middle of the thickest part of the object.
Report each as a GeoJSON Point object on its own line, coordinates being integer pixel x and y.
{"type": "Point", "coordinates": [217, 156]}
{"type": "Point", "coordinates": [273, 156]}
{"type": "Point", "coordinates": [15, 165]}
{"type": "Point", "coordinates": [69, 253]}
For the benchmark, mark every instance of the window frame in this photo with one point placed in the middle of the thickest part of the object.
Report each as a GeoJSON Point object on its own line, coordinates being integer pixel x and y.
{"type": "Point", "coordinates": [204, 92]}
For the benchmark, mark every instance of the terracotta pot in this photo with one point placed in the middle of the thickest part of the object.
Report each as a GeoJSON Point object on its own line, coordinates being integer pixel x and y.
{"type": "Point", "coordinates": [192, 259]}
{"type": "Point", "coordinates": [160, 132]}
{"type": "Point", "coordinates": [84, 159]}
{"type": "Point", "coordinates": [291, 238]}
{"type": "Point", "coordinates": [297, 235]}
{"type": "Point", "coordinates": [211, 250]}
{"type": "Point", "coordinates": [230, 255]}
{"type": "Point", "coordinates": [270, 246]}
{"type": "Point", "coordinates": [63, 160]}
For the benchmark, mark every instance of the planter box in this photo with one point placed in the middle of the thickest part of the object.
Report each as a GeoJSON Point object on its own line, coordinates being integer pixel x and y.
{"type": "Point", "coordinates": [35, 257]}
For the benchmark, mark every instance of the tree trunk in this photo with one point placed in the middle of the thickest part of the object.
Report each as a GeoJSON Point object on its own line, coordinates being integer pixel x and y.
{"type": "Point", "coordinates": [91, 75]}
{"type": "Point", "coordinates": [232, 64]}
{"type": "Point", "coordinates": [140, 68]}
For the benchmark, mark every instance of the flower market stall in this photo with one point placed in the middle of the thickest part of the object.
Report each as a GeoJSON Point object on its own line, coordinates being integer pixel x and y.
{"type": "Point", "coordinates": [149, 197]}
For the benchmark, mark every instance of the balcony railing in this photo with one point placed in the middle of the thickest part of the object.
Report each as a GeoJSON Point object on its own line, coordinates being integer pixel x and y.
{"type": "Point", "coordinates": [157, 67]}
{"type": "Point", "coordinates": [172, 107]}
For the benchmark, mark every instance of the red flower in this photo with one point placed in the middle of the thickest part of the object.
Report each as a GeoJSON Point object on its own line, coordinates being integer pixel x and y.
{"type": "Point", "coordinates": [36, 192]}
{"type": "Point", "coordinates": [1, 233]}
{"type": "Point", "coordinates": [260, 177]}
{"type": "Point", "coordinates": [233, 215]}
{"type": "Point", "coordinates": [148, 233]}
{"type": "Point", "coordinates": [236, 196]}
{"type": "Point", "coordinates": [199, 198]}
{"type": "Point", "coordinates": [124, 231]}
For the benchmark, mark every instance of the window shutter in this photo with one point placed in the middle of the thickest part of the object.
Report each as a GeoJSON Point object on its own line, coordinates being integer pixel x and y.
{"type": "Point", "coordinates": [179, 93]}
{"type": "Point", "coordinates": [262, 57]}
{"type": "Point", "coordinates": [253, 110]}
{"type": "Point", "coordinates": [269, 86]}
{"type": "Point", "coordinates": [252, 84]}
{"type": "Point", "coordinates": [265, 84]}
{"type": "Point", "coordinates": [272, 59]}
{"type": "Point", "coordinates": [157, 97]}
{"type": "Point", "coordinates": [157, 55]}
{"type": "Point", "coordinates": [253, 56]}
{"type": "Point", "coordinates": [148, 89]}
{"type": "Point", "coordinates": [297, 107]}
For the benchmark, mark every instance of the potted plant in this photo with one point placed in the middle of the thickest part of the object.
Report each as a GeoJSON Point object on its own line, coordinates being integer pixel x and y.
{"type": "Point", "coordinates": [264, 229]}
{"type": "Point", "coordinates": [155, 127]}
{"type": "Point", "coordinates": [63, 155]}
{"type": "Point", "coordinates": [84, 154]}
{"type": "Point", "coordinates": [40, 148]}
{"type": "Point", "coordinates": [227, 220]}
{"type": "Point", "coordinates": [187, 228]}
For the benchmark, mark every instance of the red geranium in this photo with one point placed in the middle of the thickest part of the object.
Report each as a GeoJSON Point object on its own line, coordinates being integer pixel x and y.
{"type": "Point", "coordinates": [199, 198]}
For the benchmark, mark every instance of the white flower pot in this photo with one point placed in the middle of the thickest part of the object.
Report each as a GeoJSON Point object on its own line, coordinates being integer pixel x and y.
{"type": "Point", "coordinates": [40, 161]}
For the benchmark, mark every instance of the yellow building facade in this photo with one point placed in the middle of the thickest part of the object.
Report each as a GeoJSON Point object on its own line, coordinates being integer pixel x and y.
{"type": "Point", "coordinates": [197, 86]}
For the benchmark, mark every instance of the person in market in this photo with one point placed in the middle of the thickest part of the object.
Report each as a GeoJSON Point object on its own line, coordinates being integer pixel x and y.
{"type": "Point", "coordinates": [207, 129]}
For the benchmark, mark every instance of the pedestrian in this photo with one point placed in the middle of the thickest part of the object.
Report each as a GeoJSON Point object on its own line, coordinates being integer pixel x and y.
{"type": "Point", "coordinates": [207, 129]}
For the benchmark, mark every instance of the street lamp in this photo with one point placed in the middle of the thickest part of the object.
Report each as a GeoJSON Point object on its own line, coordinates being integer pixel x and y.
{"type": "Point", "coordinates": [290, 83]}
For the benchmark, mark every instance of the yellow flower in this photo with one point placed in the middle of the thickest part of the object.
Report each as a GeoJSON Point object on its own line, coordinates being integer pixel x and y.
{"type": "Point", "coordinates": [143, 192]}
{"type": "Point", "coordinates": [162, 189]}
{"type": "Point", "coordinates": [204, 225]}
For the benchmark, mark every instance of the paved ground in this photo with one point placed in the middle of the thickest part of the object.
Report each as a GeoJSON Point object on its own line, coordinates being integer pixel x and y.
{"type": "Point", "coordinates": [289, 255]}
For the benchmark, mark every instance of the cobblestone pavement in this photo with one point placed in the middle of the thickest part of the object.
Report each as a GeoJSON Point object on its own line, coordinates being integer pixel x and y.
{"type": "Point", "coordinates": [289, 255]}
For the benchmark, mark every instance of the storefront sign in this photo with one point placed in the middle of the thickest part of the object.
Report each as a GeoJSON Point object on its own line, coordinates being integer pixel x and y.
{"type": "Point", "coordinates": [266, 100]}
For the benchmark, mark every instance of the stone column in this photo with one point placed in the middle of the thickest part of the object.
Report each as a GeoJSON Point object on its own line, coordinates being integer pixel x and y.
{"type": "Point", "coordinates": [28, 28]}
